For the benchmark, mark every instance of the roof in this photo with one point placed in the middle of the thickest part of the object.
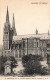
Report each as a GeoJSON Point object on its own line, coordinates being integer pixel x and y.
{"type": "Point", "coordinates": [41, 36]}
{"type": "Point", "coordinates": [8, 62]}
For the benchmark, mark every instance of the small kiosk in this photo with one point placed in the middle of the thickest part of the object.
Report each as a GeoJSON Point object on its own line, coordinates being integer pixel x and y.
{"type": "Point", "coordinates": [7, 67]}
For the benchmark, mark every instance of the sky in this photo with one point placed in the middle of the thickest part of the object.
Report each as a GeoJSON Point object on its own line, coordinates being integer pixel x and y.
{"type": "Point", "coordinates": [29, 15]}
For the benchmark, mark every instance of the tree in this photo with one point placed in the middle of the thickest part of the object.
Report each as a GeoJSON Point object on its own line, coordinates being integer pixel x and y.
{"type": "Point", "coordinates": [2, 61]}
{"type": "Point", "coordinates": [32, 67]}
{"type": "Point", "coordinates": [28, 57]}
{"type": "Point", "coordinates": [13, 62]}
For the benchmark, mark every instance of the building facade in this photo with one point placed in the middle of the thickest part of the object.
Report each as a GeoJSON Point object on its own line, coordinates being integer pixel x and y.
{"type": "Point", "coordinates": [20, 45]}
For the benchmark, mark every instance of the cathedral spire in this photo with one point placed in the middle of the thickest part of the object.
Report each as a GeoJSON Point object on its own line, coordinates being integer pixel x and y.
{"type": "Point", "coordinates": [7, 16]}
{"type": "Point", "coordinates": [13, 26]}
{"type": "Point", "coordinates": [13, 23]}
{"type": "Point", "coordinates": [13, 16]}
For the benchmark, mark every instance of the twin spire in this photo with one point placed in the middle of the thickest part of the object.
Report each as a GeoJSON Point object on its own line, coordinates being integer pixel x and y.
{"type": "Point", "coordinates": [7, 18]}
{"type": "Point", "coordinates": [13, 22]}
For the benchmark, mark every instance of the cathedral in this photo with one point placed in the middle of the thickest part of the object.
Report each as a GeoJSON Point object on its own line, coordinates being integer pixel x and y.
{"type": "Point", "coordinates": [20, 45]}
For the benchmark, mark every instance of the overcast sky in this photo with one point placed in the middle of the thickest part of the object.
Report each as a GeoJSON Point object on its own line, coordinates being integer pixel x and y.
{"type": "Point", "coordinates": [29, 15]}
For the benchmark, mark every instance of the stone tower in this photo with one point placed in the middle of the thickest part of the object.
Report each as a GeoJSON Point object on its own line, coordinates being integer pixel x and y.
{"type": "Point", "coordinates": [6, 33]}
{"type": "Point", "coordinates": [48, 32]}
{"type": "Point", "coordinates": [36, 31]}
{"type": "Point", "coordinates": [13, 27]}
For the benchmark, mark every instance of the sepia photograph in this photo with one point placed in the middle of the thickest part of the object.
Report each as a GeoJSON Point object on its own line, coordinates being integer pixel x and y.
{"type": "Point", "coordinates": [25, 39]}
